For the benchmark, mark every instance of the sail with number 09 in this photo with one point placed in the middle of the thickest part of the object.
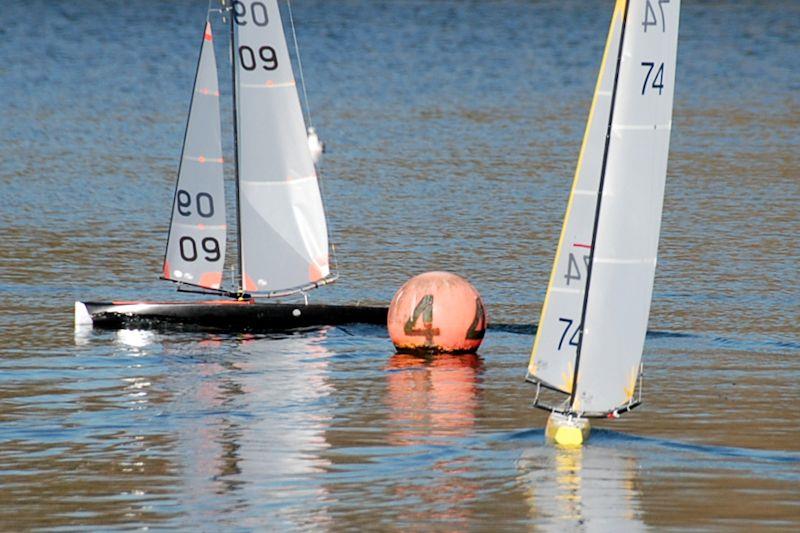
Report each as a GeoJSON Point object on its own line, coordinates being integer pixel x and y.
{"type": "Point", "coordinates": [196, 244]}
{"type": "Point", "coordinates": [284, 236]}
{"type": "Point", "coordinates": [594, 318]}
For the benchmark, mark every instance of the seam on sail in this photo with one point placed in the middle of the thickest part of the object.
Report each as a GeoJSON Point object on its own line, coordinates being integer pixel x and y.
{"type": "Point", "coordinates": [269, 85]}
{"type": "Point", "coordinates": [613, 261]}
{"type": "Point", "coordinates": [659, 127]}
{"type": "Point", "coordinates": [204, 159]}
{"type": "Point", "coordinates": [205, 226]}
{"type": "Point", "coordinates": [586, 192]}
{"type": "Point", "coordinates": [283, 182]}
{"type": "Point", "coordinates": [563, 289]}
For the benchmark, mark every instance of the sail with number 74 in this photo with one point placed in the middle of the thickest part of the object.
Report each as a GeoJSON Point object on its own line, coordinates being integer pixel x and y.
{"type": "Point", "coordinates": [594, 318]}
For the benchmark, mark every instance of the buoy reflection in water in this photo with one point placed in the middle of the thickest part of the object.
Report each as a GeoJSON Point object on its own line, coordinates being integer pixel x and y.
{"type": "Point", "coordinates": [432, 400]}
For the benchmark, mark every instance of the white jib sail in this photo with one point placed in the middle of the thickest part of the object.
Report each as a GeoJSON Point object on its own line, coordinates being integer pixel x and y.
{"type": "Point", "coordinates": [284, 236]}
{"type": "Point", "coordinates": [629, 221]}
{"type": "Point", "coordinates": [554, 350]}
{"type": "Point", "coordinates": [196, 243]}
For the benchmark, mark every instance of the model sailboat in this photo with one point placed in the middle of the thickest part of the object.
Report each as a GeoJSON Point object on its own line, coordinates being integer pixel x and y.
{"type": "Point", "coordinates": [591, 333]}
{"type": "Point", "coordinates": [282, 233]}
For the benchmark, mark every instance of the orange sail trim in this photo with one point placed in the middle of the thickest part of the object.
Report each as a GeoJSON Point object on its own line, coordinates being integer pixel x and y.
{"type": "Point", "coordinates": [249, 284]}
{"type": "Point", "coordinates": [208, 36]}
{"type": "Point", "coordinates": [212, 280]}
{"type": "Point", "coordinates": [316, 269]}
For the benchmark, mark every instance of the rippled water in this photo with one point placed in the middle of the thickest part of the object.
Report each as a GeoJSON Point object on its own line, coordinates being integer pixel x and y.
{"type": "Point", "coordinates": [453, 130]}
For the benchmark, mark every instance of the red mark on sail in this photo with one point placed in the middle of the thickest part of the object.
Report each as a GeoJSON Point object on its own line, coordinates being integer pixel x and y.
{"type": "Point", "coordinates": [207, 36]}
{"type": "Point", "coordinates": [211, 279]}
{"type": "Point", "coordinates": [576, 245]}
{"type": "Point", "coordinates": [249, 284]}
{"type": "Point", "coordinates": [202, 159]}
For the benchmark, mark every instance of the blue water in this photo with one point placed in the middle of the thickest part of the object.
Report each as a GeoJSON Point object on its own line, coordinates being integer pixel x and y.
{"type": "Point", "coordinates": [453, 130]}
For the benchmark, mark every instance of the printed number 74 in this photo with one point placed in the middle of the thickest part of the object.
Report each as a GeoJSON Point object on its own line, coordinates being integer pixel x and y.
{"type": "Point", "coordinates": [573, 340]}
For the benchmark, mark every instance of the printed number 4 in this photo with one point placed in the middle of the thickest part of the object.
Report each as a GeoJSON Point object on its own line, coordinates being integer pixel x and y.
{"type": "Point", "coordinates": [658, 79]}
{"type": "Point", "coordinates": [424, 309]}
{"type": "Point", "coordinates": [573, 340]}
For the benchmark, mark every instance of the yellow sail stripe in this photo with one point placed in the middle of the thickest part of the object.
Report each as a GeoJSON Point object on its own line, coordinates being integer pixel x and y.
{"type": "Point", "coordinates": [618, 9]}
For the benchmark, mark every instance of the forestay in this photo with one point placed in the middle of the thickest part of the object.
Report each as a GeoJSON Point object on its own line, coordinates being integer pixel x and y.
{"type": "Point", "coordinates": [196, 245]}
{"type": "Point", "coordinates": [626, 227]}
{"type": "Point", "coordinates": [284, 237]}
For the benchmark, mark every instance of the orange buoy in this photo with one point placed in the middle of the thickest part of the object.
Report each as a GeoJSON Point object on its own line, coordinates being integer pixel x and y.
{"type": "Point", "coordinates": [437, 312]}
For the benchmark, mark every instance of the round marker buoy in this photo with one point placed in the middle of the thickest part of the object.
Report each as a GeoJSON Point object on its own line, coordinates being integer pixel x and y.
{"type": "Point", "coordinates": [437, 312]}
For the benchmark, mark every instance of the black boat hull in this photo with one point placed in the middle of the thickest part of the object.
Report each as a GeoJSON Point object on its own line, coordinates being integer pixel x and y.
{"type": "Point", "coordinates": [223, 315]}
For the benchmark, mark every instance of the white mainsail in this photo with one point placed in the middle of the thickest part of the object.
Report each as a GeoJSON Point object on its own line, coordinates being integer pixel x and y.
{"type": "Point", "coordinates": [196, 244]}
{"type": "Point", "coordinates": [600, 335]}
{"type": "Point", "coordinates": [283, 233]}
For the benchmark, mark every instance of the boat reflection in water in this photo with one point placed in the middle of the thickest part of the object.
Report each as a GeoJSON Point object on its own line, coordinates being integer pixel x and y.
{"type": "Point", "coordinates": [247, 415]}
{"type": "Point", "coordinates": [590, 488]}
{"type": "Point", "coordinates": [432, 402]}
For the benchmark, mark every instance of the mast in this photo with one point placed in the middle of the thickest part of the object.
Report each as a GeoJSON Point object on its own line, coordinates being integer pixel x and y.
{"type": "Point", "coordinates": [238, 270]}
{"type": "Point", "coordinates": [597, 209]}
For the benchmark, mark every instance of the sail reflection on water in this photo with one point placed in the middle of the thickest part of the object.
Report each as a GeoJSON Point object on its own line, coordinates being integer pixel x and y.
{"type": "Point", "coordinates": [588, 488]}
{"type": "Point", "coordinates": [253, 420]}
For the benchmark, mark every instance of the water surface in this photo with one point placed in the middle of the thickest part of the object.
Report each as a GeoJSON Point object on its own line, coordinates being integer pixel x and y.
{"type": "Point", "coordinates": [453, 130]}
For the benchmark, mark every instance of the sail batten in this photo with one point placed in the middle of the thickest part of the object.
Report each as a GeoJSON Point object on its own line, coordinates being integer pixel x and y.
{"type": "Point", "coordinates": [195, 252]}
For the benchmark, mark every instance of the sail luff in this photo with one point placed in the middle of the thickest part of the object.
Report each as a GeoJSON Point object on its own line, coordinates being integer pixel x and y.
{"type": "Point", "coordinates": [552, 357]}
{"type": "Point", "coordinates": [195, 252]}
{"type": "Point", "coordinates": [598, 207]}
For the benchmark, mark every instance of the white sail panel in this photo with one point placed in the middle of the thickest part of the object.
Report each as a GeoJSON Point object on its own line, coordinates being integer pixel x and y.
{"type": "Point", "coordinates": [554, 350]}
{"type": "Point", "coordinates": [629, 221]}
{"type": "Point", "coordinates": [196, 243]}
{"type": "Point", "coordinates": [284, 237]}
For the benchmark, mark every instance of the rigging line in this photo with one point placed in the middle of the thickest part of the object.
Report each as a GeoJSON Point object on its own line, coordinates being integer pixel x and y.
{"type": "Point", "coordinates": [582, 323]}
{"type": "Point", "coordinates": [299, 65]}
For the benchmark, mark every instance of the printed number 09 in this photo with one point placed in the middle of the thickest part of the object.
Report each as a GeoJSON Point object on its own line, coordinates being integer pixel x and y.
{"type": "Point", "coordinates": [188, 249]}
{"type": "Point", "coordinates": [247, 57]}
{"type": "Point", "coordinates": [204, 203]}
{"type": "Point", "coordinates": [257, 9]}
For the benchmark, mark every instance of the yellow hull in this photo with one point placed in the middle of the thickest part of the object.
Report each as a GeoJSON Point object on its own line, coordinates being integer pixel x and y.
{"type": "Point", "coordinates": [567, 431]}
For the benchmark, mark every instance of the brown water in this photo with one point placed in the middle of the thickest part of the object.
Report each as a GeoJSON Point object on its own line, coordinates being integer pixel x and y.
{"type": "Point", "coordinates": [453, 130]}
